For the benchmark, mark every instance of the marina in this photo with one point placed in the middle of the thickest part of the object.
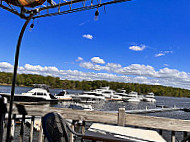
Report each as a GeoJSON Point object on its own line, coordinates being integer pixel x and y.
{"type": "Point", "coordinates": [38, 94]}
{"type": "Point", "coordinates": [121, 76]}
{"type": "Point", "coordinates": [116, 118]}
{"type": "Point", "coordinates": [107, 111]}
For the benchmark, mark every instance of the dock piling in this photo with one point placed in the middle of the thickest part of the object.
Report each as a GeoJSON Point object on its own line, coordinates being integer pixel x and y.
{"type": "Point", "coordinates": [40, 139]}
{"type": "Point", "coordinates": [22, 129]}
{"type": "Point", "coordinates": [3, 110]}
{"type": "Point", "coordinates": [173, 136]}
{"type": "Point", "coordinates": [121, 117]}
{"type": "Point", "coordinates": [31, 129]}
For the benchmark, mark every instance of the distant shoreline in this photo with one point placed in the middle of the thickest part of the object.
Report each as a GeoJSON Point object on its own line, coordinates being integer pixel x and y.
{"type": "Point", "coordinates": [27, 80]}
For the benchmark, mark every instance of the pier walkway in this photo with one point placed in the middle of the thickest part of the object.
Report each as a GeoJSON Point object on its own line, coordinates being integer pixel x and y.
{"type": "Point", "coordinates": [120, 118]}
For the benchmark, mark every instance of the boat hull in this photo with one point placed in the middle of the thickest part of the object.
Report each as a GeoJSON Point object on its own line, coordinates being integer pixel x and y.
{"type": "Point", "coordinates": [22, 98]}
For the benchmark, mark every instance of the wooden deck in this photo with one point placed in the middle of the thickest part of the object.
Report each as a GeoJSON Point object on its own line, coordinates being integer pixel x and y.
{"type": "Point", "coordinates": [107, 117]}
{"type": "Point", "coordinates": [120, 118]}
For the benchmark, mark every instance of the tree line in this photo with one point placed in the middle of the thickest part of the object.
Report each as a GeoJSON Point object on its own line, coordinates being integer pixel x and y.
{"type": "Point", "coordinates": [56, 82]}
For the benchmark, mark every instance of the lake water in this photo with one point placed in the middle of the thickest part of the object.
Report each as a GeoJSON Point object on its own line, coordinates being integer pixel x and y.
{"type": "Point", "coordinates": [114, 106]}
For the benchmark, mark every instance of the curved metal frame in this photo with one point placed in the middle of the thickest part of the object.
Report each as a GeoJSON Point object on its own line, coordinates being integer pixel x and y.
{"type": "Point", "coordinates": [32, 15]}
{"type": "Point", "coordinates": [15, 74]}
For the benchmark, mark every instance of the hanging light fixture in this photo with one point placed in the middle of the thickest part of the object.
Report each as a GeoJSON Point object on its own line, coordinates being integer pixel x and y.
{"type": "Point", "coordinates": [97, 13]}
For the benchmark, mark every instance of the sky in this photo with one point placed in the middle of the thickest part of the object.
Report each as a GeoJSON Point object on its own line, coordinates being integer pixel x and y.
{"type": "Point", "coordinates": [141, 41]}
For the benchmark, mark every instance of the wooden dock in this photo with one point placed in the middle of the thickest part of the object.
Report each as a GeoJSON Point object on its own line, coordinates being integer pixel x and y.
{"type": "Point", "coordinates": [143, 111]}
{"type": "Point", "coordinates": [120, 118]}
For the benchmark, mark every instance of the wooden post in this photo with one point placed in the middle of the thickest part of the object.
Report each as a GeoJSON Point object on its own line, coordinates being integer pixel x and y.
{"type": "Point", "coordinates": [184, 134]}
{"type": "Point", "coordinates": [13, 126]}
{"type": "Point", "coordinates": [160, 132]}
{"type": "Point", "coordinates": [83, 127]}
{"type": "Point", "coordinates": [3, 110]}
{"type": "Point", "coordinates": [31, 129]}
{"type": "Point", "coordinates": [22, 129]}
{"type": "Point", "coordinates": [71, 135]}
{"type": "Point", "coordinates": [173, 136]}
{"type": "Point", "coordinates": [121, 117]}
{"type": "Point", "coordinates": [40, 139]}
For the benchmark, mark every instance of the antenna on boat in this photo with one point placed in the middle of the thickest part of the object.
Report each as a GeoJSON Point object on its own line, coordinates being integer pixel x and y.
{"type": "Point", "coordinates": [43, 8]}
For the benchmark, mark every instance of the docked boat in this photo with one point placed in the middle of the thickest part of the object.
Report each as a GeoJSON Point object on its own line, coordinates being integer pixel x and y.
{"type": "Point", "coordinates": [108, 93]}
{"type": "Point", "coordinates": [86, 98]}
{"type": "Point", "coordinates": [132, 97]}
{"type": "Point", "coordinates": [133, 100]}
{"type": "Point", "coordinates": [96, 92]}
{"type": "Point", "coordinates": [91, 96]}
{"type": "Point", "coordinates": [64, 96]}
{"type": "Point", "coordinates": [74, 105]}
{"type": "Point", "coordinates": [122, 93]}
{"type": "Point", "coordinates": [149, 97]}
{"type": "Point", "coordinates": [34, 95]}
{"type": "Point", "coordinates": [81, 106]}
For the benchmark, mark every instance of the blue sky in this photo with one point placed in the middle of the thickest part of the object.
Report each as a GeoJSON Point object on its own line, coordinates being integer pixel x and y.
{"type": "Point", "coordinates": [143, 41]}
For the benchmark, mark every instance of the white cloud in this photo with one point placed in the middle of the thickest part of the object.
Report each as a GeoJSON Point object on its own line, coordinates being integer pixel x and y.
{"type": "Point", "coordinates": [137, 69]}
{"type": "Point", "coordinates": [167, 52]}
{"type": "Point", "coordinates": [97, 60]}
{"type": "Point", "coordinates": [163, 53]}
{"type": "Point", "coordinates": [159, 54]}
{"type": "Point", "coordinates": [140, 73]}
{"type": "Point", "coordinates": [166, 65]}
{"type": "Point", "coordinates": [6, 67]}
{"type": "Point", "coordinates": [165, 76]}
{"type": "Point", "coordinates": [137, 48]}
{"type": "Point", "coordinates": [88, 36]}
{"type": "Point", "coordinates": [79, 59]}
{"type": "Point", "coordinates": [89, 65]}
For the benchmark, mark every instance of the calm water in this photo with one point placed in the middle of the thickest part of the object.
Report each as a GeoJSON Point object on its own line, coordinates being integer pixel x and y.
{"type": "Point", "coordinates": [114, 106]}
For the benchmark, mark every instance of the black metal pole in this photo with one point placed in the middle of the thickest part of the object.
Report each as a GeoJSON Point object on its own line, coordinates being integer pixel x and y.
{"type": "Point", "coordinates": [8, 139]}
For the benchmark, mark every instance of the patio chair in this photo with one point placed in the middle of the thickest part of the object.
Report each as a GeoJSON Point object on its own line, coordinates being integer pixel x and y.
{"type": "Point", "coordinates": [57, 129]}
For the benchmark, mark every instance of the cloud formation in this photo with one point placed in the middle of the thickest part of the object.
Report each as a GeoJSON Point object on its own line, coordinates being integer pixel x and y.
{"type": "Point", "coordinates": [97, 60]}
{"type": "Point", "coordinates": [159, 54]}
{"type": "Point", "coordinates": [165, 76]}
{"type": "Point", "coordinates": [79, 59]}
{"type": "Point", "coordinates": [88, 36]}
{"type": "Point", "coordinates": [134, 73]}
{"type": "Point", "coordinates": [137, 48]}
{"type": "Point", "coordinates": [166, 65]}
{"type": "Point", "coordinates": [163, 53]}
{"type": "Point", "coordinates": [6, 67]}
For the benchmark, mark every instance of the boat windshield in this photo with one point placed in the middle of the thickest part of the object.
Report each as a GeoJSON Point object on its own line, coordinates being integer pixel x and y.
{"type": "Point", "coordinates": [61, 93]}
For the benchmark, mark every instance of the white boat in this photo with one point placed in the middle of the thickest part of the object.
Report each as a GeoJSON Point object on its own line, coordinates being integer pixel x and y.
{"type": "Point", "coordinates": [133, 100]}
{"type": "Point", "coordinates": [34, 95]}
{"type": "Point", "coordinates": [108, 93]}
{"type": "Point", "coordinates": [104, 93]}
{"type": "Point", "coordinates": [74, 105]}
{"type": "Point", "coordinates": [86, 98]}
{"type": "Point", "coordinates": [122, 93]}
{"type": "Point", "coordinates": [91, 96]}
{"type": "Point", "coordinates": [149, 97]}
{"type": "Point", "coordinates": [80, 106]}
{"type": "Point", "coordinates": [97, 92]}
{"type": "Point", "coordinates": [64, 96]}
{"type": "Point", "coordinates": [133, 94]}
{"type": "Point", "coordinates": [116, 98]}
{"type": "Point", "coordinates": [132, 97]}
